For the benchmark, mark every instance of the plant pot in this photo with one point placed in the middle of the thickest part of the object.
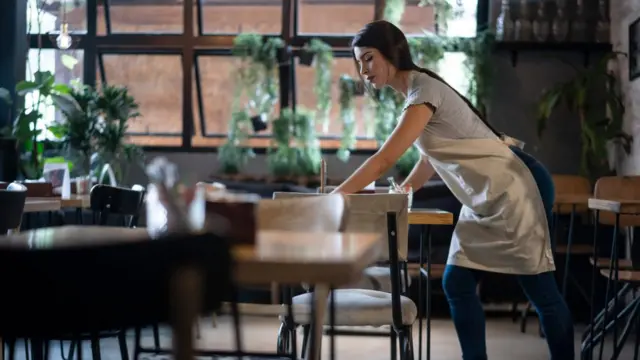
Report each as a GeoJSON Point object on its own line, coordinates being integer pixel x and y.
{"type": "Point", "coordinates": [359, 88]}
{"type": "Point", "coordinates": [306, 57]}
{"type": "Point", "coordinates": [259, 122]}
{"type": "Point", "coordinates": [283, 53]}
{"type": "Point", "coordinates": [8, 159]}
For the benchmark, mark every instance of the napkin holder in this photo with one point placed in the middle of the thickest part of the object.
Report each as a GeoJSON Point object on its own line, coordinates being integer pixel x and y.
{"type": "Point", "coordinates": [232, 216]}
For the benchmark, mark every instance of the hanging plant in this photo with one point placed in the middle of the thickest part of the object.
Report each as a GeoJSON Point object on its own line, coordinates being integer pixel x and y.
{"type": "Point", "coordinates": [393, 11]}
{"type": "Point", "coordinates": [234, 154]}
{"type": "Point", "coordinates": [295, 149]}
{"type": "Point", "coordinates": [347, 117]}
{"type": "Point", "coordinates": [281, 155]}
{"type": "Point", "coordinates": [428, 50]}
{"type": "Point", "coordinates": [307, 145]}
{"type": "Point", "coordinates": [321, 56]}
{"type": "Point", "coordinates": [444, 12]}
{"type": "Point", "coordinates": [478, 63]}
{"type": "Point", "coordinates": [256, 81]}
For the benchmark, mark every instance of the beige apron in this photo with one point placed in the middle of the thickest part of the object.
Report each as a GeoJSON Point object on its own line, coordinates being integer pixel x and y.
{"type": "Point", "coordinates": [502, 225]}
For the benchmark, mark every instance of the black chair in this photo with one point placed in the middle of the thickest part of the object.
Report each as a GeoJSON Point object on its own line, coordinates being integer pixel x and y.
{"type": "Point", "coordinates": [78, 291]}
{"type": "Point", "coordinates": [111, 200]}
{"type": "Point", "coordinates": [12, 199]}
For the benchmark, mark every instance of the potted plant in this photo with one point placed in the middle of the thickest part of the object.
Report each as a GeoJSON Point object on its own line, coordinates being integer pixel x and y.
{"type": "Point", "coordinates": [27, 129]}
{"type": "Point", "coordinates": [116, 108]}
{"type": "Point", "coordinates": [76, 135]}
{"type": "Point", "coordinates": [594, 96]}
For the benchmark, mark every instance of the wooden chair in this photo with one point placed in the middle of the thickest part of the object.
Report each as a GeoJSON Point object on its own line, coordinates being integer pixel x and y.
{"type": "Point", "coordinates": [318, 214]}
{"type": "Point", "coordinates": [105, 201]}
{"type": "Point", "coordinates": [615, 188]}
{"type": "Point", "coordinates": [112, 200]}
{"type": "Point", "coordinates": [363, 307]}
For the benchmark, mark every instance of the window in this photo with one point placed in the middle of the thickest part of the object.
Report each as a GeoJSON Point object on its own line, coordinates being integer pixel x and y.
{"type": "Point", "coordinates": [217, 85]}
{"type": "Point", "coordinates": [66, 67]}
{"type": "Point", "coordinates": [455, 72]}
{"type": "Point", "coordinates": [416, 19]}
{"type": "Point", "coordinates": [47, 16]}
{"type": "Point", "coordinates": [465, 25]}
{"type": "Point", "coordinates": [155, 81]}
{"type": "Point", "coordinates": [334, 17]}
{"type": "Point", "coordinates": [236, 16]}
{"type": "Point", "coordinates": [305, 96]}
{"type": "Point", "coordinates": [141, 16]}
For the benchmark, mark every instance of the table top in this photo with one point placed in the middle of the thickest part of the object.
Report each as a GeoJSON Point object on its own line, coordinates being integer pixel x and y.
{"type": "Point", "coordinates": [33, 205]}
{"type": "Point", "coordinates": [74, 201]}
{"type": "Point", "coordinates": [430, 217]}
{"type": "Point", "coordinates": [621, 206]}
{"type": "Point", "coordinates": [281, 256]}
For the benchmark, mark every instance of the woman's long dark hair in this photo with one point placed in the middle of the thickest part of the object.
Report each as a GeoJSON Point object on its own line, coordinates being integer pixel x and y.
{"type": "Point", "coordinates": [391, 42]}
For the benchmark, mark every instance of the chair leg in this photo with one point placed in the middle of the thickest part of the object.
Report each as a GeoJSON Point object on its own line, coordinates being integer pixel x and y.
{"type": "Point", "coordinates": [306, 329]}
{"type": "Point", "coordinates": [156, 337]}
{"type": "Point", "coordinates": [406, 343]}
{"type": "Point", "coordinates": [284, 340]}
{"type": "Point", "coordinates": [122, 341]}
{"type": "Point", "coordinates": [394, 345]}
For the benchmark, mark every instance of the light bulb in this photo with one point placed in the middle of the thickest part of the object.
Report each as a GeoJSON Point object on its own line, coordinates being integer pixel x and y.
{"type": "Point", "coordinates": [64, 40]}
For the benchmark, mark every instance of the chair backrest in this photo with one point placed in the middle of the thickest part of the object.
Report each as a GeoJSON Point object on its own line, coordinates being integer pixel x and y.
{"type": "Point", "coordinates": [571, 185]}
{"type": "Point", "coordinates": [368, 213]}
{"type": "Point", "coordinates": [108, 200]}
{"type": "Point", "coordinates": [12, 199]}
{"type": "Point", "coordinates": [317, 214]}
{"type": "Point", "coordinates": [618, 187]}
{"type": "Point", "coordinates": [129, 281]}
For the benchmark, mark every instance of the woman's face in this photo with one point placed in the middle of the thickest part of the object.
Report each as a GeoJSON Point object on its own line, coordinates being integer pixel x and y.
{"type": "Point", "coordinates": [373, 67]}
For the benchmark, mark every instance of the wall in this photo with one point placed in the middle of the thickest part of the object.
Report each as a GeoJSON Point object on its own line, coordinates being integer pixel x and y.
{"type": "Point", "coordinates": [621, 11]}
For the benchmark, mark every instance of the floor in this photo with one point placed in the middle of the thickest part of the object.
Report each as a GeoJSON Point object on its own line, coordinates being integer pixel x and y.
{"type": "Point", "coordinates": [504, 341]}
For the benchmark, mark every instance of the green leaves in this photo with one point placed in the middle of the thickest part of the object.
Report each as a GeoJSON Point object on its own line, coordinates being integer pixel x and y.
{"type": "Point", "coordinates": [589, 94]}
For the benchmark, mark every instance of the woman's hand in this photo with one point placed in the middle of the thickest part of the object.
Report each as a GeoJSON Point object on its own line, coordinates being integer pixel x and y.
{"type": "Point", "coordinates": [411, 125]}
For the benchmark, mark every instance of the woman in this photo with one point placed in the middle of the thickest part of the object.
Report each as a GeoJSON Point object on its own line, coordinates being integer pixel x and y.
{"type": "Point", "coordinates": [507, 195]}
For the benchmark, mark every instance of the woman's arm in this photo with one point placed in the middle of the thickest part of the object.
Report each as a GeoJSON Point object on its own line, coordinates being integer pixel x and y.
{"type": "Point", "coordinates": [411, 124]}
{"type": "Point", "coordinates": [421, 173]}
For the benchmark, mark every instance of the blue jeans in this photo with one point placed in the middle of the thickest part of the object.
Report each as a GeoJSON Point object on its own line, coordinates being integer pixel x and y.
{"type": "Point", "coordinates": [460, 284]}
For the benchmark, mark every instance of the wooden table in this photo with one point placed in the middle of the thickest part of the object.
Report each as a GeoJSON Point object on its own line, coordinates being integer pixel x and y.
{"type": "Point", "coordinates": [74, 201]}
{"type": "Point", "coordinates": [425, 218]}
{"type": "Point", "coordinates": [33, 205]}
{"type": "Point", "coordinates": [325, 259]}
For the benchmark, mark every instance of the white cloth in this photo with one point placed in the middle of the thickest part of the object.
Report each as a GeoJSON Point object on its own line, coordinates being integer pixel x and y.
{"type": "Point", "coordinates": [502, 226]}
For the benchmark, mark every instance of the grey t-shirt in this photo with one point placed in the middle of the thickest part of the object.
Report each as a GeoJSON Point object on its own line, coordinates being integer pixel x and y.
{"type": "Point", "coordinates": [452, 118]}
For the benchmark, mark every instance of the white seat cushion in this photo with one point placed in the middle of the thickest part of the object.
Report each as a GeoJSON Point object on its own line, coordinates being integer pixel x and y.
{"type": "Point", "coordinates": [379, 278]}
{"type": "Point", "coordinates": [355, 307]}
